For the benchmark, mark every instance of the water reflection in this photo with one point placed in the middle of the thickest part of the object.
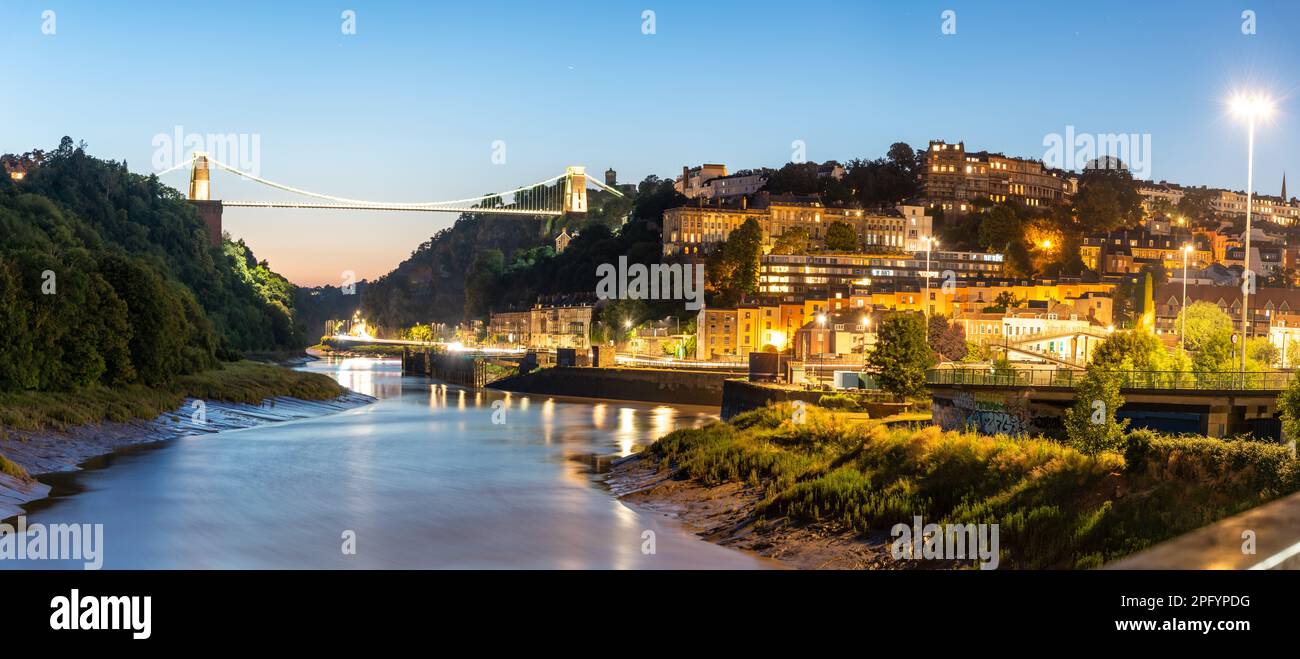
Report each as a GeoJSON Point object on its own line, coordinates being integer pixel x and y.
{"type": "Point", "coordinates": [424, 478]}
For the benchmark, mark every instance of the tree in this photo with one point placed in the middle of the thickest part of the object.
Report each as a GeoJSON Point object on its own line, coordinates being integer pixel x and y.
{"type": "Point", "coordinates": [1289, 404]}
{"type": "Point", "coordinates": [653, 197]}
{"type": "Point", "coordinates": [1004, 301]}
{"type": "Point", "coordinates": [732, 269]}
{"type": "Point", "coordinates": [481, 282]}
{"type": "Point", "coordinates": [793, 241]}
{"type": "Point", "coordinates": [947, 339]}
{"type": "Point", "coordinates": [1262, 351]}
{"type": "Point", "coordinates": [901, 355]}
{"type": "Point", "coordinates": [999, 227]}
{"type": "Point", "coordinates": [1131, 350]}
{"type": "Point", "coordinates": [419, 333]}
{"type": "Point", "coordinates": [1148, 304]}
{"type": "Point", "coordinates": [1142, 355]}
{"type": "Point", "coordinates": [1208, 336]}
{"type": "Point", "coordinates": [840, 237]}
{"type": "Point", "coordinates": [794, 178]}
{"type": "Point", "coordinates": [885, 181]}
{"type": "Point", "coordinates": [1107, 200]}
{"type": "Point", "coordinates": [1195, 205]}
{"type": "Point", "coordinates": [1090, 425]}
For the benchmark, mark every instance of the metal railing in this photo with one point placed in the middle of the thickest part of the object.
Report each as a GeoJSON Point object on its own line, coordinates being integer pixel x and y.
{"type": "Point", "coordinates": [1185, 380]}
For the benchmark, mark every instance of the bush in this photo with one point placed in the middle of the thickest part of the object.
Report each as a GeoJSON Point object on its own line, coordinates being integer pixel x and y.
{"type": "Point", "coordinates": [845, 402]}
{"type": "Point", "coordinates": [1231, 468]}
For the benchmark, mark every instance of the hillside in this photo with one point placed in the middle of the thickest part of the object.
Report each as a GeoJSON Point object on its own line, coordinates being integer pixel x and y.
{"type": "Point", "coordinates": [486, 263]}
{"type": "Point", "coordinates": [107, 277]}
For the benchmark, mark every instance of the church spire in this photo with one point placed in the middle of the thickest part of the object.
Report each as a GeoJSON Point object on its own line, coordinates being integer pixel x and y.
{"type": "Point", "coordinates": [1284, 197]}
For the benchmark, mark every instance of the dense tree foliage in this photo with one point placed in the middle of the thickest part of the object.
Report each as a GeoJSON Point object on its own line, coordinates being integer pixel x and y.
{"type": "Point", "coordinates": [94, 299]}
{"type": "Point", "coordinates": [794, 241]}
{"type": "Point", "coordinates": [868, 183]}
{"type": "Point", "coordinates": [901, 355]}
{"type": "Point", "coordinates": [885, 181]}
{"type": "Point", "coordinates": [1090, 424]}
{"type": "Point", "coordinates": [732, 268]}
{"type": "Point", "coordinates": [1207, 333]}
{"type": "Point", "coordinates": [104, 207]}
{"type": "Point", "coordinates": [840, 237]}
{"type": "Point", "coordinates": [947, 339]}
{"type": "Point", "coordinates": [1108, 199]}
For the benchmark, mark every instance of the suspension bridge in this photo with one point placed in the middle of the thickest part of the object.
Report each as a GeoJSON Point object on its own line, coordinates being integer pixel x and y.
{"type": "Point", "coordinates": [559, 195]}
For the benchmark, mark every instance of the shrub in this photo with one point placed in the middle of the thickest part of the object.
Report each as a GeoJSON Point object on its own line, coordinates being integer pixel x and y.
{"type": "Point", "coordinates": [839, 402]}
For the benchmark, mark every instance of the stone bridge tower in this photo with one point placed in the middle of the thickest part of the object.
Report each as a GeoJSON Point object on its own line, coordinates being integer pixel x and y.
{"type": "Point", "coordinates": [200, 196]}
{"type": "Point", "coordinates": [575, 190]}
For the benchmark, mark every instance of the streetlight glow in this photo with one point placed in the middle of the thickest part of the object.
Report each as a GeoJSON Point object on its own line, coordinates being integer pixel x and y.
{"type": "Point", "coordinates": [1251, 106]}
{"type": "Point", "coordinates": [1182, 333]}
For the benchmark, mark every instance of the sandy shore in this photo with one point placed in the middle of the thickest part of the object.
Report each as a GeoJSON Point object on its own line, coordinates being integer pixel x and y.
{"type": "Point", "coordinates": [726, 514]}
{"type": "Point", "coordinates": [51, 452]}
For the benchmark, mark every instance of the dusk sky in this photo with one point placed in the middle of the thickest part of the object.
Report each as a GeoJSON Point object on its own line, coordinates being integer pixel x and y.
{"type": "Point", "coordinates": [408, 108]}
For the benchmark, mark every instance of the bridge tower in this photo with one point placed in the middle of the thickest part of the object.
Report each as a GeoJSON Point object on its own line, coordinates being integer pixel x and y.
{"type": "Point", "coordinates": [575, 190]}
{"type": "Point", "coordinates": [200, 196]}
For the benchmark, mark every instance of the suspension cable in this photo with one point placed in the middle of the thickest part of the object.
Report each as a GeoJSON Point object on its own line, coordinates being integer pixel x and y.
{"type": "Point", "coordinates": [362, 202]}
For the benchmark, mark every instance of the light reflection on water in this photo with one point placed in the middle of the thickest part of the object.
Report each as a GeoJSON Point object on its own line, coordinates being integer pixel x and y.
{"type": "Point", "coordinates": [423, 477]}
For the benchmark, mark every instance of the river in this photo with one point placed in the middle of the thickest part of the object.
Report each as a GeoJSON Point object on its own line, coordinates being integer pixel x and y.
{"type": "Point", "coordinates": [430, 476]}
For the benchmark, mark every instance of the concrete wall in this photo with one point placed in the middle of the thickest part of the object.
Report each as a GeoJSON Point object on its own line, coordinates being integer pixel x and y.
{"type": "Point", "coordinates": [739, 396]}
{"type": "Point", "coordinates": [680, 387]}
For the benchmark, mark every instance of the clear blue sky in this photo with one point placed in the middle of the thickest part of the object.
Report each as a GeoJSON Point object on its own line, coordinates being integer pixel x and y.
{"type": "Point", "coordinates": [409, 106]}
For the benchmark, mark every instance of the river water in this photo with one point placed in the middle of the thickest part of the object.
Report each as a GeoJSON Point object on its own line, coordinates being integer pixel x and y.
{"type": "Point", "coordinates": [431, 476]}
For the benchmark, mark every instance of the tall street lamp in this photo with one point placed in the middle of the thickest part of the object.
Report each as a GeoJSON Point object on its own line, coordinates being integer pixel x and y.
{"type": "Point", "coordinates": [1182, 334]}
{"type": "Point", "coordinates": [1252, 108]}
{"type": "Point", "coordinates": [929, 245]}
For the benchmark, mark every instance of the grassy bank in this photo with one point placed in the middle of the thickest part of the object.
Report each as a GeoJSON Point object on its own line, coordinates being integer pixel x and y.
{"type": "Point", "coordinates": [1055, 507]}
{"type": "Point", "coordinates": [239, 382]}
{"type": "Point", "coordinates": [377, 351]}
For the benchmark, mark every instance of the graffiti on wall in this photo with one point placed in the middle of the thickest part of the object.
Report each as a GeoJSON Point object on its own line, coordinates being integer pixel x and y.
{"type": "Point", "coordinates": [985, 412]}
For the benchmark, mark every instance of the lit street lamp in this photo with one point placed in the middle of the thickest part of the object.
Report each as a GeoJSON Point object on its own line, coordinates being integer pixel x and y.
{"type": "Point", "coordinates": [929, 245]}
{"type": "Point", "coordinates": [1182, 334]}
{"type": "Point", "coordinates": [1252, 108]}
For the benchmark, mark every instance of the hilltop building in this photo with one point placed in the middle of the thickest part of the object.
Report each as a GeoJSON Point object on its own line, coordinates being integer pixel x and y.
{"type": "Point", "coordinates": [695, 229]}
{"type": "Point", "coordinates": [694, 180]}
{"type": "Point", "coordinates": [953, 177]}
